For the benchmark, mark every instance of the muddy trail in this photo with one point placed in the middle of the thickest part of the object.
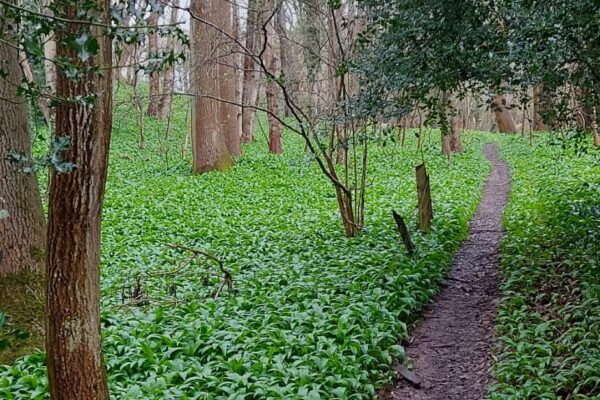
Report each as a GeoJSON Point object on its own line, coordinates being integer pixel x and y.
{"type": "Point", "coordinates": [450, 349]}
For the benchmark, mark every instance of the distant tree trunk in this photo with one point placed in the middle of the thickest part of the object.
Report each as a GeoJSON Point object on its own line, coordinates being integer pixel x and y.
{"type": "Point", "coordinates": [164, 103]}
{"type": "Point", "coordinates": [239, 70]}
{"type": "Point", "coordinates": [538, 119]}
{"type": "Point", "coordinates": [271, 88]}
{"type": "Point", "coordinates": [73, 341]}
{"type": "Point", "coordinates": [446, 143]}
{"type": "Point", "coordinates": [456, 145]}
{"type": "Point", "coordinates": [208, 143]}
{"type": "Point", "coordinates": [312, 50]}
{"type": "Point", "coordinates": [42, 102]}
{"type": "Point", "coordinates": [504, 118]}
{"type": "Point", "coordinates": [251, 70]}
{"type": "Point", "coordinates": [22, 230]}
{"type": "Point", "coordinates": [49, 65]}
{"type": "Point", "coordinates": [283, 49]}
{"type": "Point", "coordinates": [595, 134]}
{"type": "Point", "coordinates": [227, 81]}
{"type": "Point", "coordinates": [153, 101]}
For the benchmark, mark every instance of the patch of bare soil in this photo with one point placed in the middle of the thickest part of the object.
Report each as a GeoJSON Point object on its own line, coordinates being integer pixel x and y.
{"type": "Point", "coordinates": [450, 349]}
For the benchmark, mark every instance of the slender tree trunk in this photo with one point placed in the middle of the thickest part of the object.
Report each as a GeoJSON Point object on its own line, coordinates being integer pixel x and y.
{"type": "Point", "coordinates": [73, 341]}
{"type": "Point", "coordinates": [271, 88]}
{"type": "Point", "coordinates": [208, 142]}
{"type": "Point", "coordinates": [42, 102]}
{"type": "Point", "coordinates": [504, 118]}
{"type": "Point", "coordinates": [251, 70]}
{"type": "Point", "coordinates": [227, 82]}
{"type": "Point", "coordinates": [538, 107]}
{"type": "Point", "coordinates": [239, 71]}
{"type": "Point", "coordinates": [22, 230]}
{"type": "Point", "coordinates": [164, 103]}
{"type": "Point", "coordinates": [153, 103]}
{"type": "Point", "coordinates": [283, 49]}
{"type": "Point", "coordinates": [49, 65]}
{"type": "Point", "coordinates": [456, 145]}
{"type": "Point", "coordinates": [312, 51]}
{"type": "Point", "coordinates": [594, 118]}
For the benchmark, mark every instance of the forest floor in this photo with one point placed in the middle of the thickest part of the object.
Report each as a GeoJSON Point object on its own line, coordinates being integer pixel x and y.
{"type": "Point", "coordinates": [450, 349]}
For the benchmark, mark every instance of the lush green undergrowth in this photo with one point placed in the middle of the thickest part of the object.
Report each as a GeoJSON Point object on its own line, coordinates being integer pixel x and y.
{"type": "Point", "coordinates": [311, 314]}
{"type": "Point", "coordinates": [549, 320]}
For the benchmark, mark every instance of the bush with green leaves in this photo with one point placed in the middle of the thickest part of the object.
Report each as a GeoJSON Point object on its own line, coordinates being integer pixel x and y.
{"type": "Point", "coordinates": [311, 314]}
{"type": "Point", "coordinates": [549, 319]}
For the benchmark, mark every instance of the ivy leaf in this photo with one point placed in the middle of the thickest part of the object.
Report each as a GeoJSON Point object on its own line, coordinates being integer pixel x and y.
{"type": "Point", "coordinates": [86, 46]}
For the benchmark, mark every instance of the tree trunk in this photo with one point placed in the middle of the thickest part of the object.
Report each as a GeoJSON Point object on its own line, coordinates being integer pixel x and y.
{"type": "Point", "coordinates": [164, 103]}
{"type": "Point", "coordinates": [538, 119]}
{"type": "Point", "coordinates": [594, 118]}
{"type": "Point", "coordinates": [455, 134]}
{"type": "Point", "coordinates": [272, 88]}
{"type": "Point", "coordinates": [153, 101]}
{"type": "Point", "coordinates": [208, 143]}
{"type": "Point", "coordinates": [73, 341]}
{"type": "Point", "coordinates": [227, 81]}
{"type": "Point", "coordinates": [504, 118]}
{"type": "Point", "coordinates": [22, 230]}
{"type": "Point", "coordinates": [446, 143]}
{"type": "Point", "coordinates": [42, 102]}
{"type": "Point", "coordinates": [283, 49]}
{"type": "Point", "coordinates": [251, 71]}
{"type": "Point", "coordinates": [239, 71]}
{"type": "Point", "coordinates": [312, 51]}
{"type": "Point", "coordinates": [49, 65]}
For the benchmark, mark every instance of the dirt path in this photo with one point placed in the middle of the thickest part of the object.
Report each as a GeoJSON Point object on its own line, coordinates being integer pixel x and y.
{"type": "Point", "coordinates": [450, 348]}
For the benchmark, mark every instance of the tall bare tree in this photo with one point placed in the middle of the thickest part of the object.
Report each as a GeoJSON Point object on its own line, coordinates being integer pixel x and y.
{"type": "Point", "coordinates": [73, 341]}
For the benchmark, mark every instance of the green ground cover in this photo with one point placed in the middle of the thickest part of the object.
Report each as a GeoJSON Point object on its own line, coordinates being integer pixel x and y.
{"type": "Point", "coordinates": [549, 320]}
{"type": "Point", "coordinates": [312, 314]}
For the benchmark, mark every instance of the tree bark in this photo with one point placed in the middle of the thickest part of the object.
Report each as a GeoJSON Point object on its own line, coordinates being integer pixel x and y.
{"type": "Point", "coordinates": [594, 118]}
{"type": "Point", "coordinates": [164, 103]}
{"type": "Point", "coordinates": [49, 67]}
{"type": "Point", "coordinates": [153, 103]}
{"type": "Point", "coordinates": [251, 71]}
{"type": "Point", "coordinates": [271, 88]}
{"type": "Point", "coordinates": [208, 143]}
{"type": "Point", "coordinates": [73, 341]}
{"type": "Point", "coordinates": [504, 118]}
{"type": "Point", "coordinates": [283, 49]}
{"type": "Point", "coordinates": [22, 225]}
{"type": "Point", "coordinates": [227, 81]}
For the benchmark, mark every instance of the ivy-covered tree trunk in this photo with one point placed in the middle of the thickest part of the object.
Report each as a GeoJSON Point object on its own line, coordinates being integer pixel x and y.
{"type": "Point", "coordinates": [208, 142]}
{"type": "Point", "coordinates": [153, 103]}
{"type": "Point", "coordinates": [73, 341]}
{"type": "Point", "coordinates": [22, 225]}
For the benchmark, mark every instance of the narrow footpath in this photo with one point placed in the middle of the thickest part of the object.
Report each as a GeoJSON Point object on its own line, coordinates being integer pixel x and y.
{"type": "Point", "coordinates": [450, 349]}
